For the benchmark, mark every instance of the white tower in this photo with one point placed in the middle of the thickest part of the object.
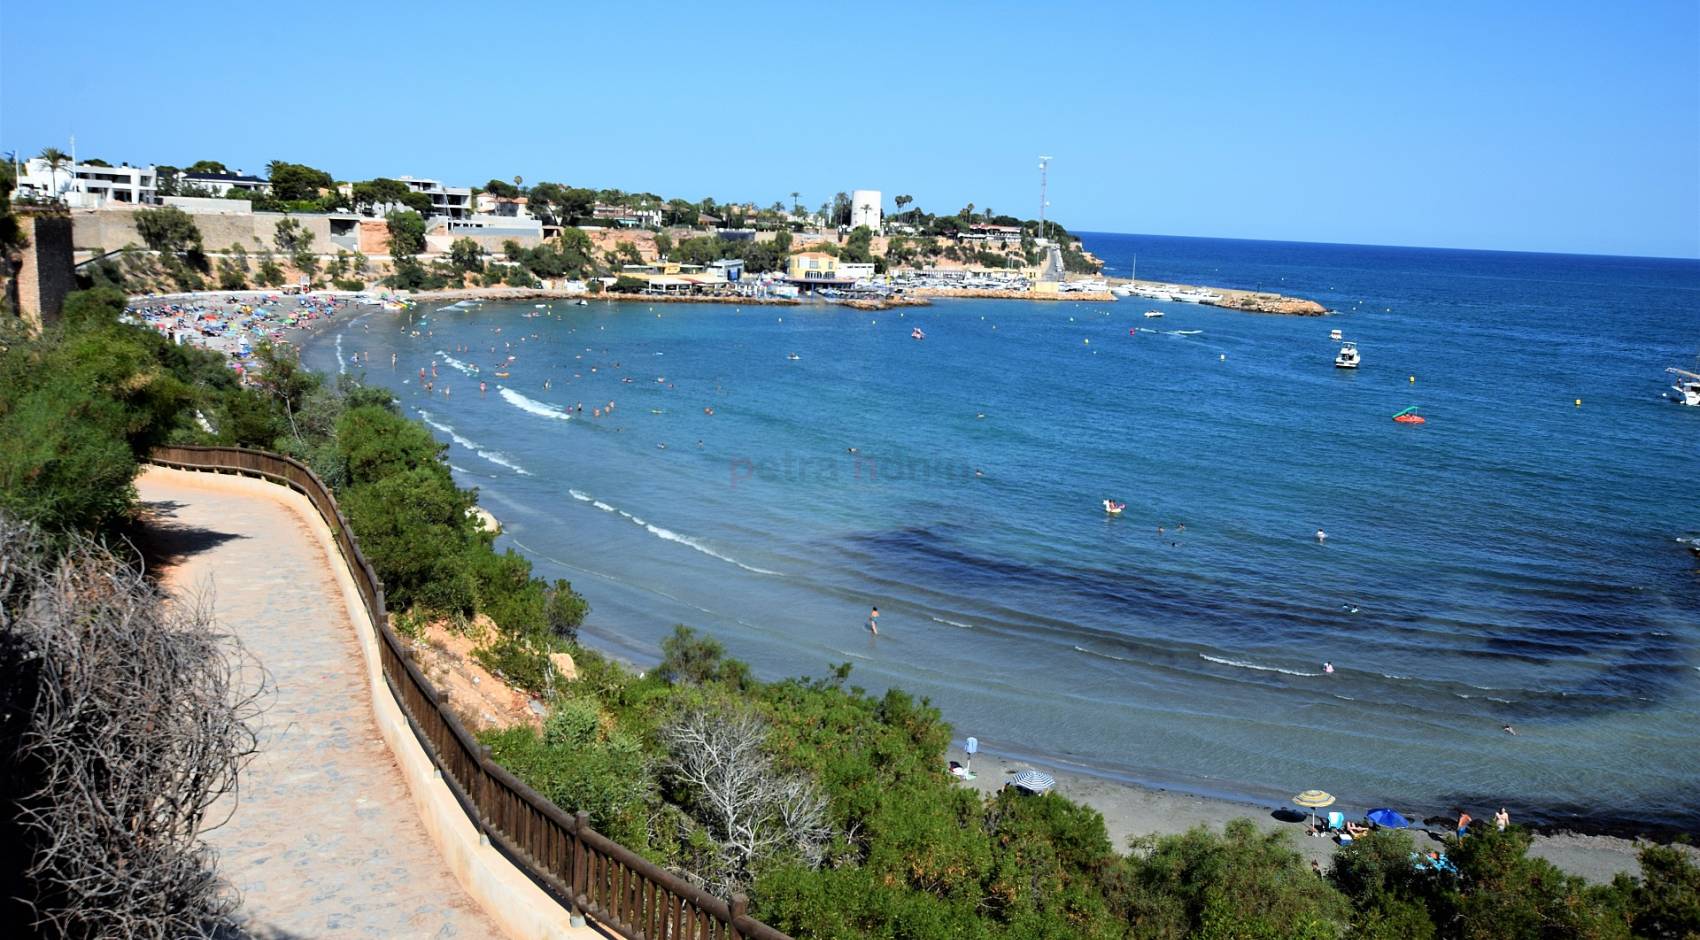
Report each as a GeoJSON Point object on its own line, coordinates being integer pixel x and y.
{"type": "Point", "coordinates": [865, 209]}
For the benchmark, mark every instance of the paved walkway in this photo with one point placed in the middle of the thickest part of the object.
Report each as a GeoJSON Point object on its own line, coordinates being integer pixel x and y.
{"type": "Point", "coordinates": [325, 841]}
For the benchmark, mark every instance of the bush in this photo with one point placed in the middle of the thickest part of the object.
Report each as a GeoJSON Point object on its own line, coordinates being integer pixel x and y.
{"type": "Point", "coordinates": [349, 283]}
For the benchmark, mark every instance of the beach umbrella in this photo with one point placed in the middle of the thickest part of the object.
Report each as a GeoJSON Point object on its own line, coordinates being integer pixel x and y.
{"type": "Point", "coordinates": [1388, 819]}
{"type": "Point", "coordinates": [1033, 781]}
{"type": "Point", "coordinates": [1314, 800]}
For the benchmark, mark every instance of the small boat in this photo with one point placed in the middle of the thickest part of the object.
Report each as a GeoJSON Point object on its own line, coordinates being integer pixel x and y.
{"type": "Point", "coordinates": [501, 375]}
{"type": "Point", "coordinates": [1687, 387]}
{"type": "Point", "coordinates": [917, 334]}
{"type": "Point", "coordinates": [1153, 314]}
{"type": "Point", "coordinates": [584, 303]}
{"type": "Point", "coordinates": [1334, 335]}
{"type": "Point", "coordinates": [793, 357]}
{"type": "Point", "coordinates": [1114, 508]}
{"type": "Point", "coordinates": [1409, 416]}
{"type": "Point", "coordinates": [1348, 357]}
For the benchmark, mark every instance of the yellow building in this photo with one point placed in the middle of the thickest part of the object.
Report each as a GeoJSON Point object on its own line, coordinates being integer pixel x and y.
{"type": "Point", "coordinates": [812, 267]}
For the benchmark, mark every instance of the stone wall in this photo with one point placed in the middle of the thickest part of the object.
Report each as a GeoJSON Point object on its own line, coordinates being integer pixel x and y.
{"type": "Point", "coordinates": [101, 230]}
{"type": "Point", "coordinates": [46, 272]}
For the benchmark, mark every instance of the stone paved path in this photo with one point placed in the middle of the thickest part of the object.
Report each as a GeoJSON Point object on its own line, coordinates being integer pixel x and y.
{"type": "Point", "coordinates": [324, 841]}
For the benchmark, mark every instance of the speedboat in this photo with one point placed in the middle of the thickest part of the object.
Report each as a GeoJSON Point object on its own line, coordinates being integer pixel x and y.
{"type": "Point", "coordinates": [1410, 416]}
{"type": "Point", "coordinates": [917, 334]}
{"type": "Point", "coordinates": [1334, 335]}
{"type": "Point", "coordinates": [793, 357]}
{"type": "Point", "coordinates": [1153, 314]}
{"type": "Point", "coordinates": [1122, 290]}
{"type": "Point", "coordinates": [1686, 386]}
{"type": "Point", "coordinates": [1348, 357]}
{"type": "Point", "coordinates": [1114, 508]}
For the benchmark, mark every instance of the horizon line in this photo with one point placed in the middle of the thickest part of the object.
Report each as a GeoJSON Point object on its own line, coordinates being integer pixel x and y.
{"type": "Point", "coordinates": [1294, 241]}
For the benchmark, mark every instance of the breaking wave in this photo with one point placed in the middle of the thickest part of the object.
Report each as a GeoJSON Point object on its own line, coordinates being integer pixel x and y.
{"type": "Point", "coordinates": [533, 406]}
{"type": "Point", "coordinates": [1239, 665]}
{"type": "Point", "coordinates": [665, 534]}
{"type": "Point", "coordinates": [494, 456]}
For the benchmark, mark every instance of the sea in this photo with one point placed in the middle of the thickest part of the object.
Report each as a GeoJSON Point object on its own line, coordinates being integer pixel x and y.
{"type": "Point", "coordinates": [1502, 595]}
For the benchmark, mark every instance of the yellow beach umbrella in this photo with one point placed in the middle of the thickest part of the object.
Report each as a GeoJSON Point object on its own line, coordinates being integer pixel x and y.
{"type": "Point", "coordinates": [1314, 800]}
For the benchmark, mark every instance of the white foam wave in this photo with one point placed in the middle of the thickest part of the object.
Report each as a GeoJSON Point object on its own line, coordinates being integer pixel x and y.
{"type": "Point", "coordinates": [341, 365]}
{"type": "Point", "coordinates": [425, 416]}
{"type": "Point", "coordinates": [1242, 665]}
{"type": "Point", "coordinates": [494, 456]}
{"type": "Point", "coordinates": [501, 460]}
{"type": "Point", "coordinates": [456, 364]}
{"type": "Point", "coordinates": [666, 534]}
{"type": "Point", "coordinates": [672, 536]}
{"type": "Point", "coordinates": [1119, 659]}
{"type": "Point", "coordinates": [954, 623]}
{"type": "Point", "coordinates": [533, 406]}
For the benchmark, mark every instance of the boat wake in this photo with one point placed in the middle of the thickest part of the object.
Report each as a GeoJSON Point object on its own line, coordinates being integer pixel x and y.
{"type": "Point", "coordinates": [496, 457]}
{"type": "Point", "coordinates": [533, 406]}
{"type": "Point", "coordinates": [1240, 665]}
{"type": "Point", "coordinates": [456, 364]}
{"type": "Point", "coordinates": [665, 534]}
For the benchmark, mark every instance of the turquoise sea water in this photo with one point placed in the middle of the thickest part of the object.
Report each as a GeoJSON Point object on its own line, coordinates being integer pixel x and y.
{"type": "Point", "coordinates": [1513, 561]}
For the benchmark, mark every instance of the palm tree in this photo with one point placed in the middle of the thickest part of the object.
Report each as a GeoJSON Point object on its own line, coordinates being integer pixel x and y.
{"type": "Point", "coordinates": [56, 160]}
{"type": "Point", "coordinates": [795, 209]}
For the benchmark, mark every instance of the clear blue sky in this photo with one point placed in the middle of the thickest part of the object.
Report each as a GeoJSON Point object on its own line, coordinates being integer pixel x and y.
{"type": "Point", "coordinates": [1554, 126]}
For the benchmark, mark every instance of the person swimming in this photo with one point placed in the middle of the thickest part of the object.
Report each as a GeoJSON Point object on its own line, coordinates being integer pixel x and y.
{"type": "Point", "coordinates": [1321, 536]}
{"type": "Point", "coordinates": [1328, 668]}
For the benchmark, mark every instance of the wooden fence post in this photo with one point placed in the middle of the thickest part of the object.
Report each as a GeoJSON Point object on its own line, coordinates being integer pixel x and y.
{"type": "Point", "coordinates": [578, 876]}
{"type": "Point", "coordinates": [740, 904]}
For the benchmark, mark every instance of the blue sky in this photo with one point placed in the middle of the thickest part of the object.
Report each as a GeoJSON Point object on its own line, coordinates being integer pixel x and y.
{"type": "Point", "coordinates": [1554, 126]}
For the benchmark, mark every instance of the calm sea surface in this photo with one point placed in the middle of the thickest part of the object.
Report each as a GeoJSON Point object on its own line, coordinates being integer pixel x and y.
{"type": "Point", "coordinates": [1513, 561]}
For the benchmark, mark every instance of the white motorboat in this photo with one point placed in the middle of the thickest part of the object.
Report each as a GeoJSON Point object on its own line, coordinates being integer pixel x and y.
{"type": "Point", "coordinates": [1334, 335]}
{"type": "Point", "coordinates": [1348, 357]}
{"type": "Point", "coordinates": [1686, 386]}
{"type": "Point", "coordinates": [1153, 314]}
{"type": "Point", "coordinates": [1122, 290]}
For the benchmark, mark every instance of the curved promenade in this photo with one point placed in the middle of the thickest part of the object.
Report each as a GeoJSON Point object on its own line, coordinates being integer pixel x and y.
{"type": "Point", "coordinates": [325, 840]}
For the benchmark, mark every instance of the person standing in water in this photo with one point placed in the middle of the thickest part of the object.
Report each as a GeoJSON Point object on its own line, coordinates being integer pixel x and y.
{"type": "Point", "coordinates": [874, 621]}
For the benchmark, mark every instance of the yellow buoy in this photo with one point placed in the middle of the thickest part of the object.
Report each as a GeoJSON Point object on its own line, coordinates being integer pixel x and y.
{"type": "Point", "coordinates": [1578, 402]}
{"type": "Point", "coordinates": [1224, 357]}
{"type": "Point", "coordinates": [1413, 378]}
{"type": "Point", "coordinates": [1087, 342]}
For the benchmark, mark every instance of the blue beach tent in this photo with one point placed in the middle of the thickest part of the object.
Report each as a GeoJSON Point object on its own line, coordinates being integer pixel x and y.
{"type": "Point", "coordinates": [1388, 819]}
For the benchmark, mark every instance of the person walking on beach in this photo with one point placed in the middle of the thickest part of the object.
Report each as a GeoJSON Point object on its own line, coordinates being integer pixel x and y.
{"type": "Point", "coordinates": [1463, 824]}
{"type": "Point", "coordinates": [874, 621]}
{"type": "Point", "coordinates": [1501, 819]}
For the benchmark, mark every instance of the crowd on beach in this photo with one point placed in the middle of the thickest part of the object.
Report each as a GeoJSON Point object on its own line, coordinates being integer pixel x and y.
{"type": "Point", "coordinates": [235, 323]}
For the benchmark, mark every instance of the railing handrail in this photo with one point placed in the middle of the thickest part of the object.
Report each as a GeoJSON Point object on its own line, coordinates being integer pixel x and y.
{"type": "Point", "coordinates": [556, 849]}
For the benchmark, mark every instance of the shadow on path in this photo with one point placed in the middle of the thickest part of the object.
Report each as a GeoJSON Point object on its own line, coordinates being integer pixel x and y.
{"type": "Point", "coordinates": [166, 542]}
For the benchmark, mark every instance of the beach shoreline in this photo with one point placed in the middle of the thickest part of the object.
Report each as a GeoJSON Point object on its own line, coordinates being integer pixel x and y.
{"type": "Point", "coordinates": [1132, 810]}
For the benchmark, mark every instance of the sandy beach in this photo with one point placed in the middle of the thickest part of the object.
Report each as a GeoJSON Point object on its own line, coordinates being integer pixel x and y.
{"type": "Point", "coordinates": [1134, 811]}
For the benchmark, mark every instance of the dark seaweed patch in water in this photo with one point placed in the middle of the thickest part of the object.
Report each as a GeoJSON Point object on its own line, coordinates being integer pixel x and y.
{"type": "Point", "coordinates": [1626, 663]}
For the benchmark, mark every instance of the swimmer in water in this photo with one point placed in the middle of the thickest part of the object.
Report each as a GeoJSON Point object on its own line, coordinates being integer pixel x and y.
{"type": "Point", "coordinates": [1509, 730]}
{"type": "Point", "coordinates": [1328, 668]}
{"type": "Point", "coordinates": [874, 621]}
{"type": "Point", "coordinates": [1321, 536]}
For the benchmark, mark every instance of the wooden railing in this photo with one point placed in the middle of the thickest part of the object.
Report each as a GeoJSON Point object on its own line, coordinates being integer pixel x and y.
{"type": "Point", "coordinates": [596, 876]}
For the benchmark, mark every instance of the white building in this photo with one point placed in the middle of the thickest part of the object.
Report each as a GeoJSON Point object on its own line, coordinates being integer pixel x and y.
{"type": "Point", "coordinates": [453, 202]}
{"type": "Point", "coordinates": [220, 184]}
{"type": "Point", "coordinates": [87, 186]}
{"type": "Point", "coordinates": [865, 209]}
{"type": "Point", "coordinates": [492, 204]}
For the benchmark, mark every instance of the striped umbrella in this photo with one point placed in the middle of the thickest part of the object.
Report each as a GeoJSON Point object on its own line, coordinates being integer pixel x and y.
{"type": "Point", "coordinates": [1314, 800]}
{"type": "Point", "coordinates": [1033, 781]}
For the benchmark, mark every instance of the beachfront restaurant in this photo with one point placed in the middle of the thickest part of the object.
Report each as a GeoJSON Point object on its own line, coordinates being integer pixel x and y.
{"type": "Point", "coordinates": [814, 270]}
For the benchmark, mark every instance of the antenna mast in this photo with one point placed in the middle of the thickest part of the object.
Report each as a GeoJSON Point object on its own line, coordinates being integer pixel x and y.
{"type": "Point", "coordinates": [1044, 162]}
